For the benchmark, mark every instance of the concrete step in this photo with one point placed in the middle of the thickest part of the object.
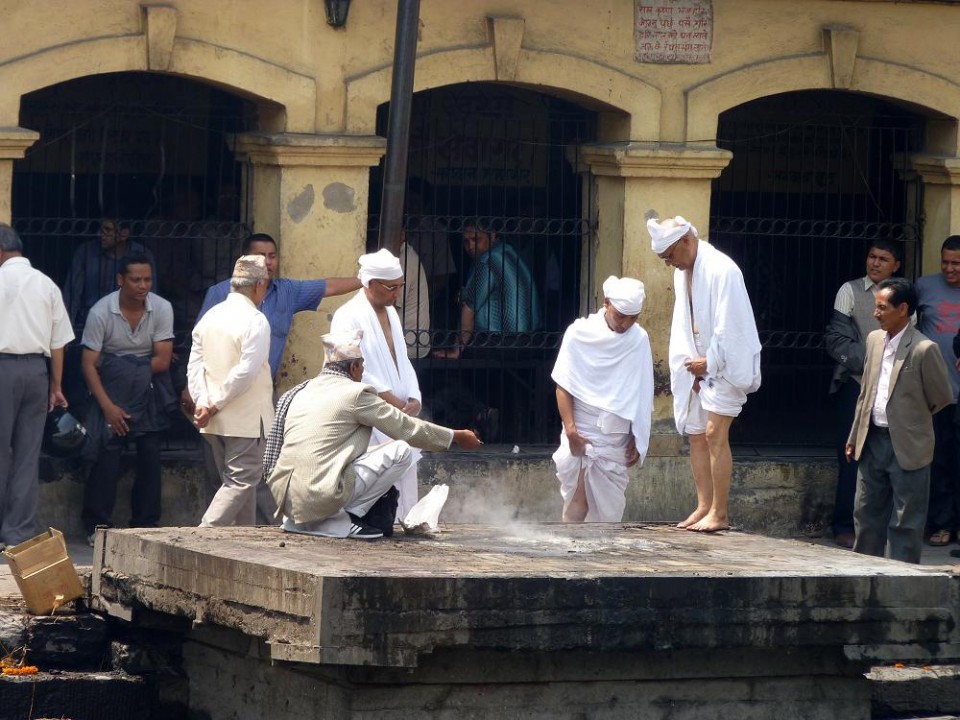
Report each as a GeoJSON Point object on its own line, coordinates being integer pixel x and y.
{"type": "Point", "coordinates": [68, 695]}
{"type": "Point", "coordinates": [915, 691]}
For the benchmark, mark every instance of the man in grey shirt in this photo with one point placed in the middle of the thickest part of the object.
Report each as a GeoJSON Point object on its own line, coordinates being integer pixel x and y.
{"type": "Point", "coordinates": [127, 347]}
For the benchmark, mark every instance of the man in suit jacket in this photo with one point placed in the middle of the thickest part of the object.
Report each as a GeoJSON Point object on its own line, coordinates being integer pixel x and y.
{"type": "Point", "coordinates": [229, 377]}
{"type": "Point", "coordinates": [904, 385]}
{"type": "Point", "coordinates": [325, 479]}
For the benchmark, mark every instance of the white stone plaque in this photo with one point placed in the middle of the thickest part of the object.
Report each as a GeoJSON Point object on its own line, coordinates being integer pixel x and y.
{"type": "Point", "coordinates": [673, 31]}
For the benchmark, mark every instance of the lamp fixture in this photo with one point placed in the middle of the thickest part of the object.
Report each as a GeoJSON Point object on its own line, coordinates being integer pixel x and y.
{"type": "Point", "coordinates": [337, 11]}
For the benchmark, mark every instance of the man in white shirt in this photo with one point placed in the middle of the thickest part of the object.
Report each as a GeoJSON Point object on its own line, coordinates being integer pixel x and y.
{"type": "Point", "coordinates": [33, 327]}
{"type": "Point", "coordinates": [904, 385]}
{"type": "Point", "coordinates": [229, 378]}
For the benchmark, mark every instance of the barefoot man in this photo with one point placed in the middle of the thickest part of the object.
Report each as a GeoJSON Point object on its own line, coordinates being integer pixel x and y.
{"type": "Point", "coordinates": [714, 360]}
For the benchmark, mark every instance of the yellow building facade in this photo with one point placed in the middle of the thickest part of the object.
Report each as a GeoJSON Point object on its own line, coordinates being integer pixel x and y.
{"type": "Point", "coordinates": [313, 93]}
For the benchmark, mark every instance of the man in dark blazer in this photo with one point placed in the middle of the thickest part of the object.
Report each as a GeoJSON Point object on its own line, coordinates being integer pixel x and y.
{"type": "Point", "coordinates": [904, 385]}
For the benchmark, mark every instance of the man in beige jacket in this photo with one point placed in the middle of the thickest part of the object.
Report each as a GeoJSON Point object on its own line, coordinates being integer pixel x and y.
{"type": "Point", "coordinates": [229, 377]}
{"type": "Point", "coordinates": [904, 385]}
{"type": "Point", "coordinates": [326, 479]}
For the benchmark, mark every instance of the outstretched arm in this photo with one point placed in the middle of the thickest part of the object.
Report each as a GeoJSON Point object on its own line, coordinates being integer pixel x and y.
{"type": "Point", "coordinates": [341, 286]}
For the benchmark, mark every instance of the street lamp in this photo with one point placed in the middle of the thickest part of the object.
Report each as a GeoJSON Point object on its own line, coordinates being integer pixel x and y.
{"type": "Point", "coordinates": [337, 11]}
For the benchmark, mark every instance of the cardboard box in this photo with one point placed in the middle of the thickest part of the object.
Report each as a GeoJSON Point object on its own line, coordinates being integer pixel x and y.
{"type": "Point", "coordinates": [44, 572]}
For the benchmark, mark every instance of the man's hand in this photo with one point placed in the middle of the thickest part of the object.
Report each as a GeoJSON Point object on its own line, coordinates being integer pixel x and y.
{"type": "Point", "coordinates": [578, 443]}
{"type": "Point", "coordinates": [186, 402]}
{"type": "Point", "coordinates": [412, 407]}
{"type": "Point", "coordinates": [696, 366]}
{"type": "Point", "coordinates": [448, 354]}
{"type": "Point", "coordinates": [848, 451]}
{"type": "Point", "coordinates": [631, 454]}
{"type": "Point", "coordinates": [696, 385]}
{"type": "Point", "coordinates": [56, 399]}
{"type": "Point", "coordinates": [116, 418]}
{"type": "Point", "coordinates": [202, 415]}
{"type": "Point", "coordinates": [466, 439]}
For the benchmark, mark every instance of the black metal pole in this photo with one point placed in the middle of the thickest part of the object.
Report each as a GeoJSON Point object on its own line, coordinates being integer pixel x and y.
{"type": "Point", "coordinates": [398, 124]}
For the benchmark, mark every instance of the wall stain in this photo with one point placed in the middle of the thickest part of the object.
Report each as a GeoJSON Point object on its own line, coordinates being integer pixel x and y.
{"type": "Point", "coordinates": [299, 207]}
{"type": "Point", "coordinates": [339, 198]}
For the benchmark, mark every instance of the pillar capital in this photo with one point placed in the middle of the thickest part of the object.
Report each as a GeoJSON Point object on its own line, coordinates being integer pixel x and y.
{"type": "Point", "coordinates": [937, 169]}
{"type": "Point", "coordinates": [308, 150]}
{"type": "Point", "coordinates": [15, 141]}
{"type": "Point", "coordinates": [656, 160]}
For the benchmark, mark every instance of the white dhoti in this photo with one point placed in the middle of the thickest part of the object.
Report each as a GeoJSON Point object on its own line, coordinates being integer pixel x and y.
{"type": "Point", "coordinates": [408, 483]}
{"type": "Point", "coordinates": [377, 470]}
{"type": "Point", "coordinates": [604, 466]}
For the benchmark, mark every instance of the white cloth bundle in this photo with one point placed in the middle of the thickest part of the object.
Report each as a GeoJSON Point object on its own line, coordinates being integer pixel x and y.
{"type": "Point", "coordinates": [663, 235]}
{"type": "Point", "coordinates": [625, 294]}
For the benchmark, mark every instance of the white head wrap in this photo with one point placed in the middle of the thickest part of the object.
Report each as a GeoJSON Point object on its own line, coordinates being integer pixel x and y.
{"type": "Point", "coordinates": [625, 294]}
{"type": "Point", "coordinates": [253, 267]}
{"type": "Point", "coordinates": [666, 233]}
{"type": "Point", "coordinates": [381, 265]}
{"type": "Point", "coordinates": [343, 345]}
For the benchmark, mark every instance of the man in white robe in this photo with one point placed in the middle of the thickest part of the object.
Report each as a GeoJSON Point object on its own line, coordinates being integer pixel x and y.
{"type": "Point", "coordinates": [387, 366]}
{"type": "Point", "coordinates": [604, 377]}
{"type": "Point", "coordinates": [714, 360]}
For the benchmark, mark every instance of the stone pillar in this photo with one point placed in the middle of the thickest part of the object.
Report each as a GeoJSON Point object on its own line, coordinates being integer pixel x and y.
{"type": "Point", "coordinates": [14, 142]}
{"type": "Point", "coordinates": [941, 204]}
{"type": "Point", "coordinates": [311, 192]}
{"type": "Point", "coordinates": [636, 181]}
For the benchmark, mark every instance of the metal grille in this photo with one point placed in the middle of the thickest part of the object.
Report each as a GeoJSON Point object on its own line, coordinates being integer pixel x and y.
{"type": "Point", "coordinates": [151, 154]}
{"type": "Point", "coordinates": [506, 161]}
{"type": "Point", "coordinates": [815, 178]}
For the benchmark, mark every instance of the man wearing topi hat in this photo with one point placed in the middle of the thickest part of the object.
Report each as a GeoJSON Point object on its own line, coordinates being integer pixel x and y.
{"type": "Point", "coordinates": [326, 478]}
{"type": "Point", "coordinates": [604, 377]}
{"type": "Point", "coordinates": [229, 377]}
{"type": "Point", "coordinates": [714, 360]}
{"type": "Point", "coordinates": [386, 365]}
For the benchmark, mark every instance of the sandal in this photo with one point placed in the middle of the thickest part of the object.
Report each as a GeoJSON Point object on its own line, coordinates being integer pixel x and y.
{"type": "Point", "coordinates": [939, 538]}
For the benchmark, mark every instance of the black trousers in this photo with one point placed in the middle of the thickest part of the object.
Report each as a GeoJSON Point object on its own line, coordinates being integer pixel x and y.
{"type": "Point", "coordinates": [845, 405]}
{"type": "Point", "coordinates": [100, 492]}
{"type": "Point", "coordinates": [943, 512]}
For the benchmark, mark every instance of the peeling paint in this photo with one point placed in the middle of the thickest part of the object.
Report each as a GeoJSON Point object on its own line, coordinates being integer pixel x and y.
{"type": "Point", "coordinates": [299, 207]}
{"type": "Point", "coordinates": [339, 198]}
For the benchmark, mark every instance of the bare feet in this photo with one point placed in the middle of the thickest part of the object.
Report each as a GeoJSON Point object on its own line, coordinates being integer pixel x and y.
{"type": "Point", "coordinates": [712, 522]}
{"type": "Point", "coordinates": [694, 517]}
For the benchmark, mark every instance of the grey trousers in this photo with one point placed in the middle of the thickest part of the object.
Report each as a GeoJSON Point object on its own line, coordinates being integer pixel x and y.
{"type": "Point", "coordinates": [240, 464]}
{"type": "Point", "coordinates": [890, 509]}
{"type": "Point", "coordinates": [24, 395]}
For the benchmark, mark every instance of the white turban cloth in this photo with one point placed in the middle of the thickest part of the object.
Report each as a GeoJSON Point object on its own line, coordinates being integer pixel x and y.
{"type": "Point", "coordinates": [342, 346]}
{"type": "Point", "coordinates": [665, 234]}
{"type": "Point", "coordinates": [381, 265]}
{"type": "Point", "coordinates": [625, 294]}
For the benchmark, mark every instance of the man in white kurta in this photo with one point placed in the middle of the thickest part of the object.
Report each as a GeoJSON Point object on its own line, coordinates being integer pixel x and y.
{"type": "Point", "coordinates": [386, 366]}
{"type": "Point", "coordinates": [229, 377]}
{"type": "Point", "coordinates": [604, 377]}
{"type": "Point", "coordinates": [714, 360]}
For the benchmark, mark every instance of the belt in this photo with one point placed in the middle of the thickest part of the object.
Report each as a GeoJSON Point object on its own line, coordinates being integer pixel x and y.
{"type": "Point", "coordinates": [20, 356]}
{"type": "Point", "coordinates": [877, 428]}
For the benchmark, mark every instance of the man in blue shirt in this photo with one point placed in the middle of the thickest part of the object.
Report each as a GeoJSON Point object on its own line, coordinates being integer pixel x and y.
{"type": "Point", "coordinates": [285, 298]}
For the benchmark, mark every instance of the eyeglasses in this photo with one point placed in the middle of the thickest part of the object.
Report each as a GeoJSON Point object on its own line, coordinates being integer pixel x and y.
{"type": "Point", "coordinates": [391, 288]}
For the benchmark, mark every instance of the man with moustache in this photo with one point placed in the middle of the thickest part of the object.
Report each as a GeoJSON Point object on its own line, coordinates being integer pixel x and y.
{"type": "Point", "coordinates": [904, 385]}
{"type": "Point", "coordinates": [127, 347]}
{"type": "Point", "coordinates": [604, 377]}
{"type": "Point", "coordinates": [846, 343]}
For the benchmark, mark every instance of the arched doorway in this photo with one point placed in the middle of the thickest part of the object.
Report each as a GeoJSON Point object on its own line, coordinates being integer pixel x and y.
{"type": "Point", "coordinates": [148, 156]}
{"type": "Point", "coordinates": [815, 177]}
{"type": "Point", "coordinates": [504, 160]}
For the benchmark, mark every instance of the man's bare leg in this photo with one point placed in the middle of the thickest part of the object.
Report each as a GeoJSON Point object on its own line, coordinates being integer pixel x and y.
{"type": "Point", "coordinates": [576, 509]}
{"type": "Point", "coordinates": [721, 469]}
{"type": "Point", "coordinates": [702, 479]}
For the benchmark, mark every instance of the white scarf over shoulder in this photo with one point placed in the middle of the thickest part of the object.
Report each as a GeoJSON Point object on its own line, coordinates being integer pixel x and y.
{"type": "Point", "coordinates": [379, 369]}
{"type": "Point", "coordinates": [724, 318]}
{"type": "Point", "coordinates": [610, 371]}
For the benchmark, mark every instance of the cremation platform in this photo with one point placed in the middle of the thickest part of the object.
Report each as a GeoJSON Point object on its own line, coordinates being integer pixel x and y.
{"type": "Point", "coordinates": [656, 611]}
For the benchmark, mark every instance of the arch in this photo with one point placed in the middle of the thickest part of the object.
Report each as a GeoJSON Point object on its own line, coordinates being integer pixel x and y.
{"type": "Point", "coordinates": [232, 70]}
{"type": "Point", "coordinates": [707, 100]}
{"type": "Point", "coordinates": [536, 70]}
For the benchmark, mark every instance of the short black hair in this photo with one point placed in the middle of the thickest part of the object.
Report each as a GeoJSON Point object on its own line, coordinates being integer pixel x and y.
{"type": "Point", "coordinates": [901, 291]}
{"type": "Point", "coordinates": [890, 246]}
{"type": "Point", "coordinates": [257, 237]}
{"type": "Point", "coordinates": [123, 267]}
{"type": "Point", "coordinates": [951, 243]}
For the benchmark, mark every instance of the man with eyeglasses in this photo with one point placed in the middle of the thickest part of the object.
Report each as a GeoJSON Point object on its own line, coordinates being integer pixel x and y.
{"type": "Point", "coordinates": [714, 360]}
{"type": "Point", "coordinates": [387, 368]}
